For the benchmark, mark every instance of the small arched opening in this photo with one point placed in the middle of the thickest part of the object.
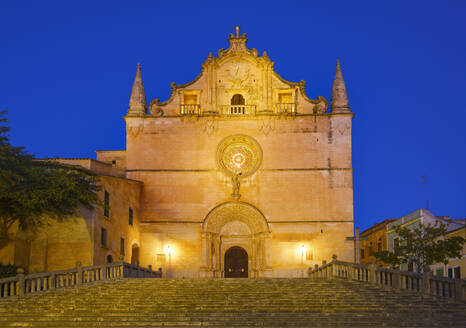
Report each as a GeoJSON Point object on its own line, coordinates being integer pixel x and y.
{"type": "Point", "coordinates": [237, 105]}
{"type": "Point", "coordinates": [237, 99]}
{"type": "Point", "coordinates": [109, 259]}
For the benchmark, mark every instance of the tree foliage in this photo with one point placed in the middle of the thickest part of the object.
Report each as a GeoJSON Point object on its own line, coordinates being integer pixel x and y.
{"type": "Point", "coordinates": [422, 246]}
{"type": "Point", "coordinates": [32, 191]}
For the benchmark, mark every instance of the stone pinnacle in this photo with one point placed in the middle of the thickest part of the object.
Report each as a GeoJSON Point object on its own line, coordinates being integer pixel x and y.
{"type": "Point", "coordinates": [137, 102]}
{"type": "Point", "coordinates": [339, 100]}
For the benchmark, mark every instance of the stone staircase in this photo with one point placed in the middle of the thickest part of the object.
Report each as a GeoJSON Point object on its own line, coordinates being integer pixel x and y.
{"type": "Point", "coordinates": [229, 303]}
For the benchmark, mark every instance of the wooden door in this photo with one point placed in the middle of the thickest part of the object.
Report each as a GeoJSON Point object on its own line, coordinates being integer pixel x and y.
{"type": "Point", "coordinates": [236, 263]}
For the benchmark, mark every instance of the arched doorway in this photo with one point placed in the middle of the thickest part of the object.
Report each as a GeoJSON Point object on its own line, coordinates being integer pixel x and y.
{"type": "Point", "coordinates": [236, 263]}
{"type": "Point", "coordinates": [135, 254]}
{"type": "Point", "coordinates": [235, 224]}
{"type": "Point", "coordinates": [109, 259]}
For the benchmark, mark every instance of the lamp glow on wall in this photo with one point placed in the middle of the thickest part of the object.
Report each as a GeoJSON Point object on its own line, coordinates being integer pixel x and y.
{"type": "Point", "coordinates": [302, 250]}
{"type": "Point", "coordinates": [169, 250]}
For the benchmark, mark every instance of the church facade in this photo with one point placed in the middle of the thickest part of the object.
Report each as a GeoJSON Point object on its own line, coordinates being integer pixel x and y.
{"type": "Point", "coordinates": [237, 174]}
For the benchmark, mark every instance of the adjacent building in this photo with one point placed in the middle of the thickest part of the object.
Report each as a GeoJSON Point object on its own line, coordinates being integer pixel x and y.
{"type": "Point", "coordinates": [374, 239]}
{"type": "Point", "coordinates": [425, 217]}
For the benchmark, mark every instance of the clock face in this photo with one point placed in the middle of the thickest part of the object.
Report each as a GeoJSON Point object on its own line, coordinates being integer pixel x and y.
{"type": "Point", "coordinates": [238, 72]}
{"type": "Point", "coordinates": [239, 154]}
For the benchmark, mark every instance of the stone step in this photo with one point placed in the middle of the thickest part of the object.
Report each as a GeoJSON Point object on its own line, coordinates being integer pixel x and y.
{"type": "Point", "coordinates": [229, 303]}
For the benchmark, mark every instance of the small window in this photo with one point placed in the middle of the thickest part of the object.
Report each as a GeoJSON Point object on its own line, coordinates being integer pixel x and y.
{"type": "Point", "coordinates": [190, 99]}
{"type": "Point", "coordinates": [114, 162]}
{"type": "Point", "coordinates": [396, 246]}
{"type": "Point", "coordinates": [370, 249]}
{"type": "Point", "coordinates": [285, 98]}
{"type": "Point", "coordinates": [130, 216]}
{"type": "Point", "coordinates": [457, 272]}
{"type": "Point", "coordinates": [450, 273]}
{"type": "Point", "coordinates": [122, 246]}
{"type": "Point", "coordinates": [106, 204]}
{"type": "Point", "coordinates": [379, 245]}
{"type": "Point", "coordinates": [362, 253]}
{"type": "Point", "coordinates": [103, 237]}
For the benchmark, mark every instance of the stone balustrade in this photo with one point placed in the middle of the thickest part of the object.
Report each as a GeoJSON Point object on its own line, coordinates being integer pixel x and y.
{"type": "Point", "coordinates": [238, 110]}
{"type": "Point", "coordinates": [190, 109]}
{"type": "Point", "coordinates": [426, 284]}
{"type": "Point", "coordinates": [287, 108]}
{"type": "Point", "coordinates": [22, 284]}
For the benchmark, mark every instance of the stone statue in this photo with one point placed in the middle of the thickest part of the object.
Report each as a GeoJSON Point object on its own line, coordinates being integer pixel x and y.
{"type": "Point", "coordinates": [236, 185]}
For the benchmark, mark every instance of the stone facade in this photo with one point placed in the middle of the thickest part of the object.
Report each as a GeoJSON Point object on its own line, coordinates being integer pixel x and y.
{"type": "Point", "coordinates": [239, 157]}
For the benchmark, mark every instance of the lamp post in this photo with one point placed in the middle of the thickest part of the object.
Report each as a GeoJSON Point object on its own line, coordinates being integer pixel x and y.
{"type": "Point", "coordinates": [169, 251]}
{"type": "Point", "coordinates": [302, 250]}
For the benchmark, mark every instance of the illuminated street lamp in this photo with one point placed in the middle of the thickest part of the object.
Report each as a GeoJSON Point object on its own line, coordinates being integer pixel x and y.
{"type": "Point", "coordinates": [302, 250]}
{"type": "Point", "coordinates": [169, 252]}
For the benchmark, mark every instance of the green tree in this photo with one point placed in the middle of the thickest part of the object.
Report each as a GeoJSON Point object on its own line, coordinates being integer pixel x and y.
{"type": "Point", "coordinates": [423, 245]}
{"type": "Point", "coordinates": [32, 191]}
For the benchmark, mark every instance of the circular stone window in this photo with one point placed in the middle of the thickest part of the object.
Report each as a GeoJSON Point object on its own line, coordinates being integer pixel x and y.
{"type": "Point", "coordinates": [239, 154]}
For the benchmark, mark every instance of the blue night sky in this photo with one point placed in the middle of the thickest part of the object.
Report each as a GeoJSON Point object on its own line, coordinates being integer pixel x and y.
{"type": "Point", "coordinates": [67, 67]}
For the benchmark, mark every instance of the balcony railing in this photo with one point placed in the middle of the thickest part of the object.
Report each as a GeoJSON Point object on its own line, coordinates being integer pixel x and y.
{"type": "Point", "coordinates": [190, 109]}
{"type": "Point", "coordinates": [289, 108]}
{"type": "Point", "coordinates": [238, 109]}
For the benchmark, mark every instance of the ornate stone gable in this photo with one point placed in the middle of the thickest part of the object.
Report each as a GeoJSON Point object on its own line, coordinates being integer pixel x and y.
{"type": "Point", "coordinates": [238, 73]}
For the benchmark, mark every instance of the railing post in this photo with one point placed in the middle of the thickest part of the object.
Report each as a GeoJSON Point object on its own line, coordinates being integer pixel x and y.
{"type": "Point", "coordinates": [426, 282]}
{"type": "Point", "coordinates": [373, 272]}
{"type": "Point", "coordinates": [459, 290]}
{"type": "Point", "coordinates": [21, 281]}
{"type": "Point", "coordinates": [396, 282]}
{"type": "Point", "coordinates": [103, 271]}
{"type": "Point", "coordinates": [79, 273]}
{"type": "Point", "coordinates": [351, 272]}
{"type": "Point", "coordinates": [52, 280]}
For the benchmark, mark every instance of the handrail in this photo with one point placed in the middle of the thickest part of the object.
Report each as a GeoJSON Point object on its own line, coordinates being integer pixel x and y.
{"type": "Point", "coordinates": [426, 283]}
{"type": "Point", "coordinates": [22, 285]}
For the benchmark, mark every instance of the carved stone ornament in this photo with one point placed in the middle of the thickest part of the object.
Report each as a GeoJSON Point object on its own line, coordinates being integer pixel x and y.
{"type": "Point", "coordinates": [266, 125]}
{"type": "Point", "coordinates": [210, 125]}
{"type": "Point", "coordinates": [243, 212]}
{"type": "Point", "coordinates": [155, 110]}
{"type": "Point", "coordinates": [134, 130]}
{"type": "Point", "coordinates": [239, 155]}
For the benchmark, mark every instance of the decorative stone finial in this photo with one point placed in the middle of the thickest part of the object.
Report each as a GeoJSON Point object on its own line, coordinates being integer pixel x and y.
{"type": "Point", "coordinates": [339, 100]}
{"type": "Point", "coordinates": [137, 102]}
{"type": "Point", "coordinates": [237, 31]}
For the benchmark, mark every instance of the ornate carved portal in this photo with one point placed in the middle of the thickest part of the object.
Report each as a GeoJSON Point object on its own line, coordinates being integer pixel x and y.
{"type": "Point", "coordinates": [235, 224]}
